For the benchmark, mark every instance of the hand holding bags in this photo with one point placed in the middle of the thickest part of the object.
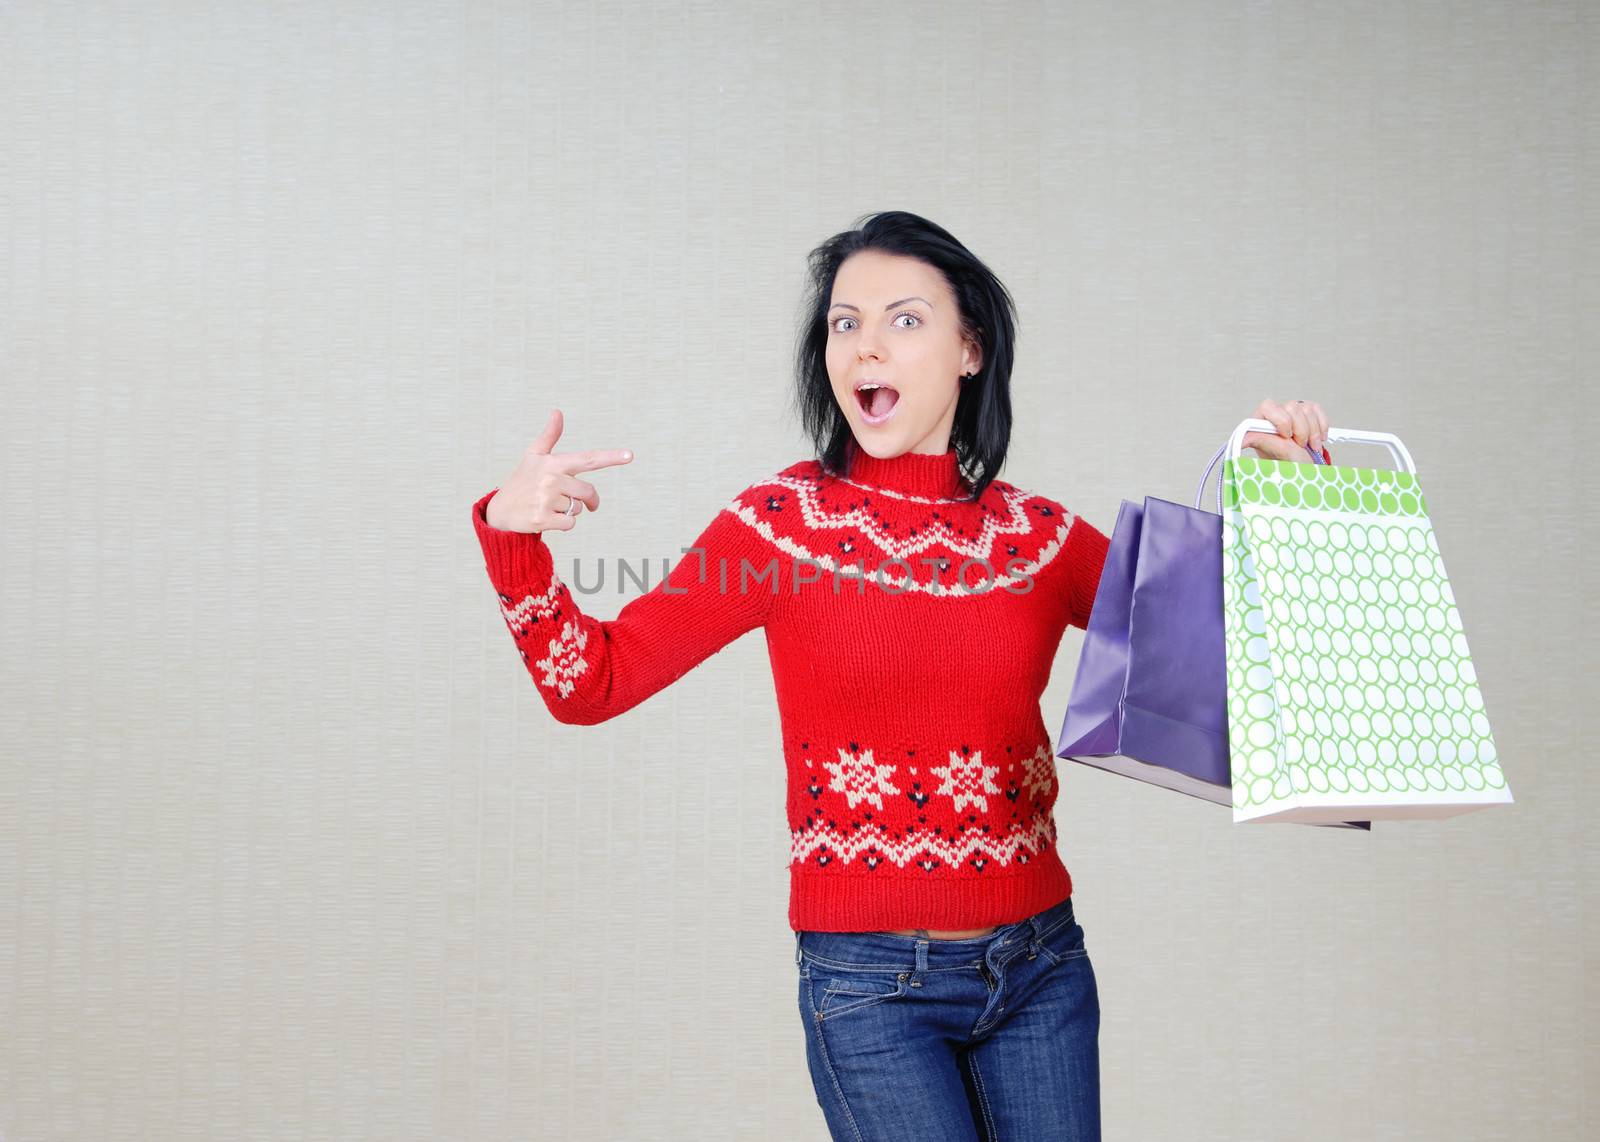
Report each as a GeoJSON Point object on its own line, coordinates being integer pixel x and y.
{"type": "Point", "coordinates": [1149, 698]}
{"type": "Point", "coordinates": [1310, 669]}
{"type": "Point", "coordinates": [1350, 689]}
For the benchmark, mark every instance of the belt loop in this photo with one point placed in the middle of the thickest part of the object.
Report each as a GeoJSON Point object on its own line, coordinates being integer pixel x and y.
{"type": "Point", "coordinates": [797, 948]}
{"type": "Point", "coordinates": [1033, 940]}
{"type": "Point", "coordinates": [922, 955]}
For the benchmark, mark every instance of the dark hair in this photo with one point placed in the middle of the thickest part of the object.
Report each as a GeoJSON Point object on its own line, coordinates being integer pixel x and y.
{"type": "Point", "coordinates": [981, 430]}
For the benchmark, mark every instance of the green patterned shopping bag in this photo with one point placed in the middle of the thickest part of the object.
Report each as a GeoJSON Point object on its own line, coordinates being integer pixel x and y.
{"type": "Point", "coordinates": [1351, 692]}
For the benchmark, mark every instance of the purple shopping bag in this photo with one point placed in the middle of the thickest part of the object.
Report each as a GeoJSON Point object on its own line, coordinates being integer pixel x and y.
{"type": "Point", "coordinates": [1149, 700]}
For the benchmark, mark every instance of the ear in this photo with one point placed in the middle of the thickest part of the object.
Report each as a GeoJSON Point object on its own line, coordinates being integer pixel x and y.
{"type": "Point", "coordinates": [972, 358]}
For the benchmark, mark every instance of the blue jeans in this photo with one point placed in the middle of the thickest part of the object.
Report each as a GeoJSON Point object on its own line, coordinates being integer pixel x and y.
{"type": "Point", "coordinates": [920, 1040]}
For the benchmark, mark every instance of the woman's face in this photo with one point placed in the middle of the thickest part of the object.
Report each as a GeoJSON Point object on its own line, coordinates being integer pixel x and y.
{"type": "Point", "coordinates": [893, 320]}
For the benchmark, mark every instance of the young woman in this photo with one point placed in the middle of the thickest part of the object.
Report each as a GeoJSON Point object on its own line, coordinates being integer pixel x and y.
{"type": "Point", "coordinates": [912, 603]}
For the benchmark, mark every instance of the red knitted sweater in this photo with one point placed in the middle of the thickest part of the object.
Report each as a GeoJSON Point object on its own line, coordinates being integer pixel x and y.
{"type": "Point", "coordinates": [921, 775]}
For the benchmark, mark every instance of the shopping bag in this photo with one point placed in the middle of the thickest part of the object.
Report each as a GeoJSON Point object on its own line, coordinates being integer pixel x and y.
{"type": "Point", "coordinates": [1350, 687]}
{"type": "Point", "coordinates": [1149, 698]}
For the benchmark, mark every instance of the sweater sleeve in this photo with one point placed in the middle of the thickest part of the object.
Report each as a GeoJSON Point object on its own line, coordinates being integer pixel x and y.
{"type": "Point", "coordinates": [1085, 555]}
{"type": "Point", "coordinates": [588, 670]}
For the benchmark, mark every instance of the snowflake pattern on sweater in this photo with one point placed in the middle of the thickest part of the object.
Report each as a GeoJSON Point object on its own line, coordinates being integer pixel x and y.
{"type": "Point", "coordinates": [911, 630]}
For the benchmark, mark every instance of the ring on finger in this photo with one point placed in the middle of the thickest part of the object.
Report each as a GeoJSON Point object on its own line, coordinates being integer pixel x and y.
{"type": "Point", "coordinates": [572, 507]}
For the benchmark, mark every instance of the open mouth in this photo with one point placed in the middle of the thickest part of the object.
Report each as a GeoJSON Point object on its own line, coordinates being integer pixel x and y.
{"type": "Point", "coordinates": [877, 401]}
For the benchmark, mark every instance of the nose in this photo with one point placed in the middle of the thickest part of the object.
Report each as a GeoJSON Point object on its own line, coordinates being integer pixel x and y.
{"type": "Point", "coordinates": [867, 344]}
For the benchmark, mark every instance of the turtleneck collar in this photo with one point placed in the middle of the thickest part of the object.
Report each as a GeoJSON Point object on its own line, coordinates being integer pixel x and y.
{"type": "Point", "coordinates": [936, 475]}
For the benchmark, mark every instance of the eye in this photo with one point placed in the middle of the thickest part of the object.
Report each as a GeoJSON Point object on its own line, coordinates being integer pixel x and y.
{"type": "Point", "coordinates": [834, 326]}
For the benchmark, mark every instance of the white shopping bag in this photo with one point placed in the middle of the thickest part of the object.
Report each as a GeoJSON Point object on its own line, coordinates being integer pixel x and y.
{"type": "Point", "coordinates": [1351, 692]}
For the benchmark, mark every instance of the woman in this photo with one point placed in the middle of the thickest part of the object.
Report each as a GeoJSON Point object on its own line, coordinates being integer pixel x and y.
{"type": "Point", "coordinates": [943, 978]}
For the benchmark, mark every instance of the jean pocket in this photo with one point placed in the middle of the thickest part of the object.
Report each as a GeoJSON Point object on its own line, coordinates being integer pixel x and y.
{"type": "Point", "coordinates": [845, 993]}
{"type": "Point", "coordinates": [1064, 943]}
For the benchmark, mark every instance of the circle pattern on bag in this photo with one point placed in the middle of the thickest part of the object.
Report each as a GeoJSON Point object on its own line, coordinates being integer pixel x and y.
{"type": "Point", "coordinates": [1362, 681]}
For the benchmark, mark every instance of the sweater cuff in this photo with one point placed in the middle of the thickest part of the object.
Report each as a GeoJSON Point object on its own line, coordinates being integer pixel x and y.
{"type": "Point", "coordinates": [518, 562]}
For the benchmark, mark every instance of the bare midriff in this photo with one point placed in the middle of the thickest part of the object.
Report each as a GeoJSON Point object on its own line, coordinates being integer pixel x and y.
{"type": "Point", "coordinates": [966, 934]}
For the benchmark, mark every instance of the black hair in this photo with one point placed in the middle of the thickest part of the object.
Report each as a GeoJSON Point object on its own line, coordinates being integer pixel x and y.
{"type": "Point", "coordinates": [981, 431]}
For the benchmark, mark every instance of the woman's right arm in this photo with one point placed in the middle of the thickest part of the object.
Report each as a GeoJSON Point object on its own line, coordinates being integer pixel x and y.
{"type": "Point", "coordinates": [588, 670]}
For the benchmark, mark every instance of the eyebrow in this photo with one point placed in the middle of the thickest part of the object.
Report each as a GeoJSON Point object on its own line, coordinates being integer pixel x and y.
{"type": "Point", "coordinates": [891, 305]}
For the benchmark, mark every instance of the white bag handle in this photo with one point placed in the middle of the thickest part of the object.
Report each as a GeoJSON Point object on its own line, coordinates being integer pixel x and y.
{"type": "Point", "coordinates": [1235, 445]}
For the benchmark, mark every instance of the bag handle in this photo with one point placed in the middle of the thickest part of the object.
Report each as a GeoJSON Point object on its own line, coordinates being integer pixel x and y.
{"type": "Point", "coordinates": [1235, 444]}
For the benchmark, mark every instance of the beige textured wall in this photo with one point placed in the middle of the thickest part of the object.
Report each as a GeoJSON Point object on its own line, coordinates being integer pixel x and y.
{"type": "Point", "coordinates": [290, 848]}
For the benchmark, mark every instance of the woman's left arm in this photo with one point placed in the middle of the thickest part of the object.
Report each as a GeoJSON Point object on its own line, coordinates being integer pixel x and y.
{"type": "Point", "coordinates": [1085, 556]}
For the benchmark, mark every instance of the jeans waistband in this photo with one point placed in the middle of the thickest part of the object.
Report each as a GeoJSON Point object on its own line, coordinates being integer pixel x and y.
{"type": "Point", "coordinates": [880, 950]}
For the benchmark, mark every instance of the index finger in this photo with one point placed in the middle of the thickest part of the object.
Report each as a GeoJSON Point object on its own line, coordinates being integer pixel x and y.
{"type": "Point", "coordinates": [594, 458]}
{"type": "Point", "coordinates": [1274, 413]}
